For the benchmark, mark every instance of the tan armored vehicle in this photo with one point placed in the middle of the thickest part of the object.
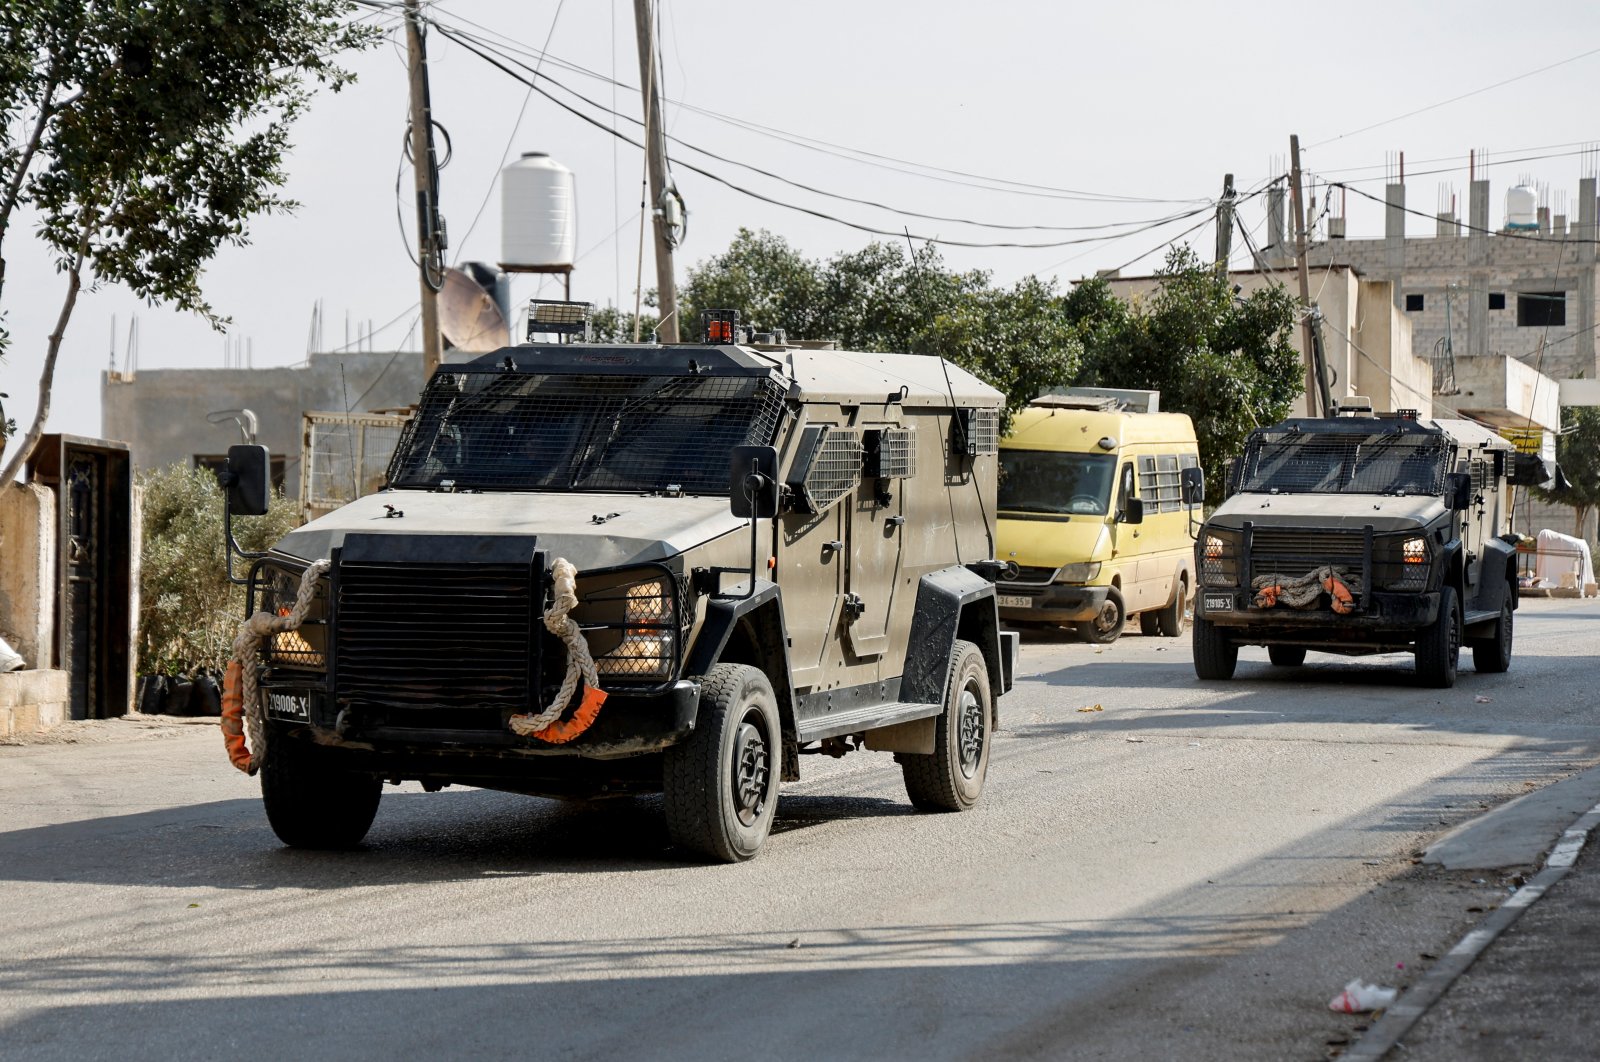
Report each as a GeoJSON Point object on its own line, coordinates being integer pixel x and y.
{"type": "Point", "coordinates": [777, 551]}
{"type": "Point", "coordinates": [1363, 534]}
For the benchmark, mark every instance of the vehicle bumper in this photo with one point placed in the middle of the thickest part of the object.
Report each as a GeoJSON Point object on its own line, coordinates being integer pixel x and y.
{"type": "Point", "coordinates": [1382, 618]}
{"type": "Point", "coordinates": [1057, 603]}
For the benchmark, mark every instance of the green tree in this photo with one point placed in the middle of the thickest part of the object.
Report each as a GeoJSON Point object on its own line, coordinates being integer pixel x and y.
{"type": "Point", "coordinates": [1578, 454]}
{"type": "Point", "coordinates": [146, 134]}
{"type": "Point", "coordinates": [1225, 361]}
{"type": "Point", "coordinates": [882, 298]}
{"type": "Point", "coordinates": [188, 610]}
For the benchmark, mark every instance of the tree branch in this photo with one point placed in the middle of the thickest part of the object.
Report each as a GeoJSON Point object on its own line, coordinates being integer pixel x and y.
{"type": "Point", "coordinates": [89, 221]}
{"type": "Point", "coordinates": [14, 189]}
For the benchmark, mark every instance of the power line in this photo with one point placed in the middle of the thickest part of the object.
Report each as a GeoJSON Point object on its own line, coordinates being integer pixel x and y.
{"type": "Point", "coordinates": [1462, 224]}
{"type": "Point", "coordinates": [1457, 99]}
{"type": "Point", "coordinates": [709, 175]}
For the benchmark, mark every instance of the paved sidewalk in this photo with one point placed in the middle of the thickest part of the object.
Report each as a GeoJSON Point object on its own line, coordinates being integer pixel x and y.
{"type": "Point", "coordinates": [1535, 992]}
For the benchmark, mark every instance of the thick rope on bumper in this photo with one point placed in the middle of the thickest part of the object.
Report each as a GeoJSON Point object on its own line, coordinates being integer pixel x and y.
{"type": "Point", "coordinates": [242, 711]}
{"type": "Point", "coordinates": [545, 725]}
{"type": "Point", "coordinates": [1303, 592]}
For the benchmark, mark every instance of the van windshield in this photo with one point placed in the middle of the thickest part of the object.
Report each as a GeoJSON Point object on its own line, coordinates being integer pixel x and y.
{"type": "Point", "coordinates": [1042, 481]}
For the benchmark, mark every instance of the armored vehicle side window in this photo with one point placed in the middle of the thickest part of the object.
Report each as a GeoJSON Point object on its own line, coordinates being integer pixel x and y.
{"type": "Point", "coordinates": [1039, 481]}
{"type": "Point", "coordinates": [600, 432]}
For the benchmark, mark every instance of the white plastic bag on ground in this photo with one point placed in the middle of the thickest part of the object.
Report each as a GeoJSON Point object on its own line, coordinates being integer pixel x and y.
{"type": "Point", "coordinates": [10, 659]}
{"type": "Point", "coordinates": [1359, 997]}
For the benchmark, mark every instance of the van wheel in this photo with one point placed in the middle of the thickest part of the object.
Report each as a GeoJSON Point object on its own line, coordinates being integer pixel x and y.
{"type": "Point", "coordinates": [1106, 627]}
{"type": "Point", "coordinates": [1215, 654]}
{"type": "Point", "coordinates": [1491, 656]}
{"type": "Point", "coordinates": [1286, 655]}
{"type": "Point", "coordinates": [312, 802]}
{"type": "Point", "coordinates": [720, 786]}
{"type": "Point", "coordinates": [1149, 624]}
{"type": "Point", "coordinates": [951, 779]}
{"type": "Point", "coordinates": [1439, 647]}
{"type": "Point", "coordinates": [1170, 619]}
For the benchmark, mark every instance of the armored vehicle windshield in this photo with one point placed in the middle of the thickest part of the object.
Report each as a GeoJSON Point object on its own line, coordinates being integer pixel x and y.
{"type": "Point", "coordinates": [1397, 459]}
{"type": "Point", "coordinates": [584, 431]}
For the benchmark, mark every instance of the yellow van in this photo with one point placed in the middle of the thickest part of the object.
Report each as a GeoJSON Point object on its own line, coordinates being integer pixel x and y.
{"type": "Point", "coordinates": [1096, 515]}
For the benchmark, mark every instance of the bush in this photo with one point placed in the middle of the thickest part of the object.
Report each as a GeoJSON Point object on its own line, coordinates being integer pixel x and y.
{"type": "Point", "coordinates": [188, 611]}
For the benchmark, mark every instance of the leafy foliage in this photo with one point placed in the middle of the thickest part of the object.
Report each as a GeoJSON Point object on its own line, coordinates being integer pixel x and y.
{"type": "Point", "coordinates": [1227, 362]}
{"type": "Point", "coordinates": [882, 298]}
{"type": "Point", "coordinates": [188, 610]}
{"type": "Point", "coordinates": [1578, 454]}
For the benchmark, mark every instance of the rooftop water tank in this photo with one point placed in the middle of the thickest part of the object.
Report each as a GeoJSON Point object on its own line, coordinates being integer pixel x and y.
{"type": "Point", "coordinates": [538, 215]}
{"type": "Point", "coordinates": [1522, 209]}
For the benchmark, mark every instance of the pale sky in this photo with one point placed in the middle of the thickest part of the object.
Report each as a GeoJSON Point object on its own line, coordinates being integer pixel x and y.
{"type": "Point", "coordinates": [1143, 105]}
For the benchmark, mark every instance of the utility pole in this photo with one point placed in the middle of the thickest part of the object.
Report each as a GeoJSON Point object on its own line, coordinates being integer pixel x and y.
{"type": "Point", "coordinates": [1224, 227]}
{"type": "Point", "coordinates": [656, 151]}
{"type": "Point", "coordinates": [1316, 372]}
{"type": "Point", "coordinates": [430, 228]}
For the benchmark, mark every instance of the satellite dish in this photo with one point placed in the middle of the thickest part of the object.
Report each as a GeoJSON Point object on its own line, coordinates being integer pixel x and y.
{"type": "Point", "coordinates": [468, 316]}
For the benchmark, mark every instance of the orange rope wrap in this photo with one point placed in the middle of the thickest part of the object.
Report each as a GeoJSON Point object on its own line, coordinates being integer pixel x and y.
{"type": "Point", "coordinates": [233, 718]}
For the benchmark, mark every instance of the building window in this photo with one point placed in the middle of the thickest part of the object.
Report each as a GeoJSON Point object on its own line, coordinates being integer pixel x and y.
{"type": "Point", "coordinates": [1541, 309]}
{"type": "Point", "coordinates": [1413, 303]}
{"type": "Point", "coordinates": [1497, 300]}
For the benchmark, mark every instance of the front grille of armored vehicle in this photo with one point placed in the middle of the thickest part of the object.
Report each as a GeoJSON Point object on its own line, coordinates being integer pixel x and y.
{"type": "Point", "coordinates": [455, 640]}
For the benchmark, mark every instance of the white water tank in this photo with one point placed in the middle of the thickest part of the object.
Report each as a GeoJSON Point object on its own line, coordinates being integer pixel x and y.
{"type": "Point", "coordinates": [538, 215]}
{"type": "Point", "coordinates": [1522, 208]}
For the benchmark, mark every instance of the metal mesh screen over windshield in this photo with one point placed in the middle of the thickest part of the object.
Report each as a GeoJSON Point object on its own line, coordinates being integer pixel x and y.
{"type": "Point", "coordinates": [600, 432]}
{"type": "Point", "coordinates": [1353, 463]}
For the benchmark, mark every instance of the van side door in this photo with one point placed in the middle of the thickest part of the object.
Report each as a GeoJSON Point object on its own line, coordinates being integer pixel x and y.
{"type": "Point", "coordinates": [1125, 538]}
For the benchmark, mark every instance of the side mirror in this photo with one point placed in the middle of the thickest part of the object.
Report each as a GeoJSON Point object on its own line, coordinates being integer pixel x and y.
{"type": "Point", "coordinates": [1458, 491]}
{"type": "Point", "coordinates": [753, 482]}
{"type": "Point", "coordinates": [1132, 511]}
{"type": "Point", "coordinates": [1194, 486]}
{"type": "Point", "coordinates": [1528, 470]}
{"type": "Point", "coordinates": [248, 480]}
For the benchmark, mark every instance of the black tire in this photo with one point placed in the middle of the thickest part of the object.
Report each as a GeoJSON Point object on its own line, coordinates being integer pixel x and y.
{"type": "Point", "coordinates": [1170, 619]}
{"type": "Point", "coordinates": [1149, 624]}
{"type": "Point", "coordinates": [1491, 656]}
{"type": "Point", "coordinates": [720, 786]}
{"type": "Point", "coordinates": [1286, 655]}
{"type": "Point", "coordinates": [312, 801]}
{"type": "Point", "coordinates": [1107, 626]}
{"type": "Point", "coordinates": [1439, 647]}
{"type": "Point", "coordinates": [1215, 654]}
{"type": "Point", "coordinates": [951, 779]}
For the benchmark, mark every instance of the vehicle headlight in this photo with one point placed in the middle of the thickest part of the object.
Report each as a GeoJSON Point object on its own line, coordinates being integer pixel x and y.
{"type": "Point", "coordinates": [643, 645]}
{"type": "Point", "coordinates": [1414, 551]}
{"type": "Point", "coordinates": [1216, 549]}
{"type": "Point", "coordinates": [1083, 572]}
{"type": "Point", "coordinates": [302, 648]}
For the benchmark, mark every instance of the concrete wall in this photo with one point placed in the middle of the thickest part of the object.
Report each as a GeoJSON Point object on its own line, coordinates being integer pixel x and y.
{"type": "Point", "coordinates": [1504, 393]}
{"type": "Point", "coordinates": [31, 701]}
{"type": "Point", "coordinates": [28, 571]}
{"type": "Point", "coordinates": [161, 413]}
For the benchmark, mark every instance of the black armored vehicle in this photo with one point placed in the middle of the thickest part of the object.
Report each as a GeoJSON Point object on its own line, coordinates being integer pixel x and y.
{"type": "Point", "coordinates": [764, 550]}
{"type": "Point", "coordinates": [1364, 534]}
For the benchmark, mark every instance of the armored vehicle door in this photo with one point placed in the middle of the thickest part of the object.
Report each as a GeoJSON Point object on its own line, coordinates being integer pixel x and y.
{"type": "Point", "coordinates": [875, 518]}
{"type": "Point", "coordinates": [1478, 523]}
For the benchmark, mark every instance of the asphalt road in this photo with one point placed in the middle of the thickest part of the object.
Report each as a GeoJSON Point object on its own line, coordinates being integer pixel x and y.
{"type": "Point", "coordinates": [1191, 871]}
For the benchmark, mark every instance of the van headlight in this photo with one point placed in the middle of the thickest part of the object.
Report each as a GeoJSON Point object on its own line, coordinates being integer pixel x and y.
{"type": "Point", "coordinates": [1082, 572]}
{"type": "Point", "coordinates": [644, 644]}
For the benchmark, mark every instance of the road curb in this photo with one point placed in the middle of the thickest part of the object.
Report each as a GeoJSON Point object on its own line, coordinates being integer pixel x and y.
{"type": "Point", "coordinates": [1398, 1020]}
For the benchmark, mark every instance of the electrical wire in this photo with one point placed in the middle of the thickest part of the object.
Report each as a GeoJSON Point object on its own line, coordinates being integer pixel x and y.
{"type": "Point", "coordinates": [899, 211]}
{"type": "Point", "coordinates": [1464, 225]}
{"type": "Point", "coordinates": [717, 178]}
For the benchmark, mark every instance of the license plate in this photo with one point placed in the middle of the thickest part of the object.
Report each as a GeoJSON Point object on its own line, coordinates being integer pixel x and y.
{"type": "Point", "coordinates": [1219, 603]}
{"type": "Point", "coordinates": [286, 705]}
{"type": "Point", "coordinates": [1014, 601]}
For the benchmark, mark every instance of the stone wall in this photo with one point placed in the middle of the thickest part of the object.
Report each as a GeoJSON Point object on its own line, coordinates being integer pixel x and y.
{"type": "Point", "coordinates": [31, 701]}
{"type": "Point", "coordinates": [28, 571]}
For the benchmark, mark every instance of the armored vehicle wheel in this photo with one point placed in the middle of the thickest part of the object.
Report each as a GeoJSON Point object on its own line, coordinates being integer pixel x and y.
{"type": "Point", "coordinates": [1439, 647]}
{"type": "Point", "coordinates": [721, 785]}
{"type": "Point", "coordinates": [1107, 626]}
{"type": "Point", "coordinates": [1491, 656]}
{"type": "Point", "coordinates": [1149, 624]}
{"type": "Point", "coordinates": [1215, 654]}
{"type": "Point", "coordinates": [1286, 655]}
{"type": "Point", "coordinates": [312, 802]}
{"type": "Point", "coordinates": [951, 779]}
{"type": "Point", "coordinates": [1170, 619]}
